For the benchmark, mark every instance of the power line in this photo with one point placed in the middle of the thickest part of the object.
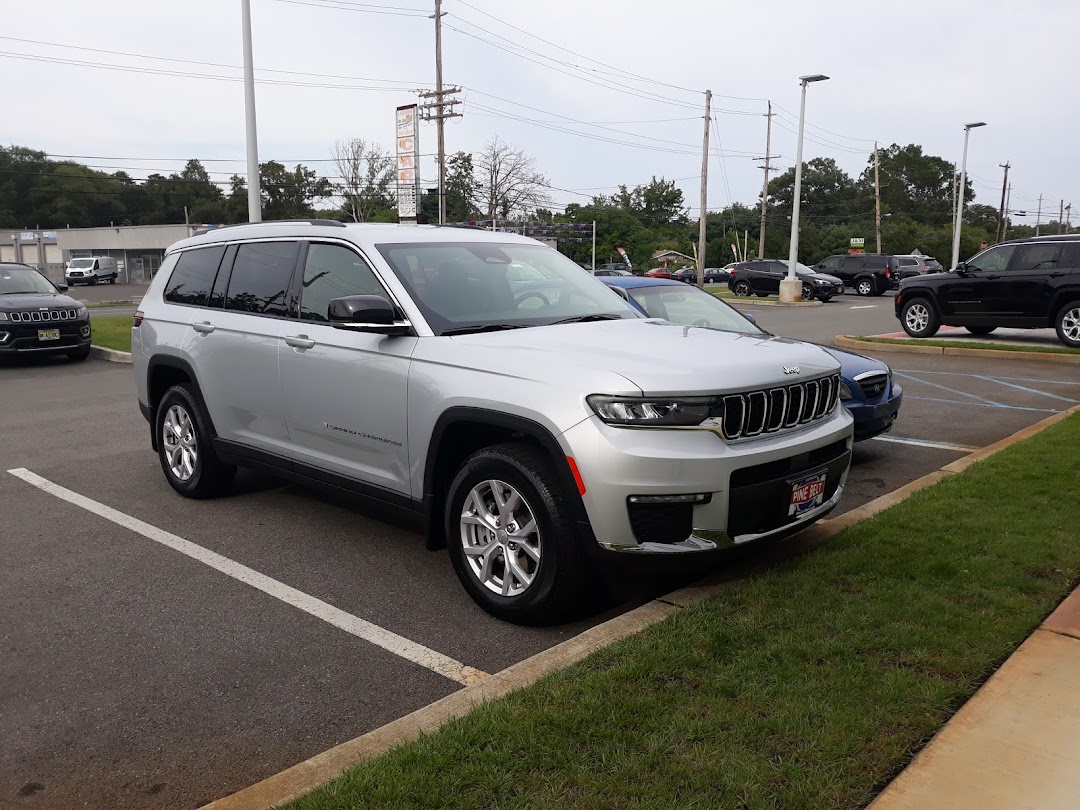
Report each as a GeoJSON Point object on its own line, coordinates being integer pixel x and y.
{"type": "Point", "coordinates": [340, 5]}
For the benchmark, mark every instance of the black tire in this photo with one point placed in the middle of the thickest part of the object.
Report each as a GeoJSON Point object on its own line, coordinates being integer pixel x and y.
{"type": "Point", "coordinates": [559, 578]}
{"type": "Point", "coordinates": [209, 476]}
{"type": "Point", "coordinates": [866, 286]}
{"type": "Point", "coordinates": [112, 279]}
{"type": "Point", "coordinates": [742, 288]}
{"type": "Point", "coordinates": [807, 292]}
{"type": "Point", "coordinates": [980, 330]}
{"type": "Point", "coordinates": [919, 318]}
{"type": "Point", "coordinates": [93, 281]}
{"type": "Point", "coordinates": [826, 299]}
{"type": "Point", "coordinates": [762, 295]}
{"type": "Point", "coordinates": [80, 353]}
{"type": "Point", "coordinates": [1067, 324]}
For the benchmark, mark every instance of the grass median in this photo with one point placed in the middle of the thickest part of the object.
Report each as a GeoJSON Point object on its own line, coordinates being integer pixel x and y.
{"type": "Point", "coordinates": [111, 331]}
{"type": "Point", "coordinates": [807, 686]}
{"type": "Point", "coordinates": [973, 344]}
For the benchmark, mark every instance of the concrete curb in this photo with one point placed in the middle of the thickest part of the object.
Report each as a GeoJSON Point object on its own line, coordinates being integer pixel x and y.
{"type": "Point", "coordinates": [850, 342]}
{"type": "Point", "coordinates": [306, 776]}
{"type": "Point", "coordinates": [112, 355]}
{"type": "Point", "coordinates": [769, 303]}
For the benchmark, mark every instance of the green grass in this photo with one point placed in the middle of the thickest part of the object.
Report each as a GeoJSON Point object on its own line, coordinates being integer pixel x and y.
{"type": "Point", "coordinates": [971, 344]}
{"type": "Point", "coordinates": [102, 304]}
{"type": "Point", "coordinates": [807, 686]}
{"type": "Point", "coordinates": [111, 331]}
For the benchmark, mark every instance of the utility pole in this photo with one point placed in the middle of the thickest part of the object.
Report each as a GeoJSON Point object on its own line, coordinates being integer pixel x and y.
{"type": "Point", "coordinates": [440, 109]}
{"type": "Point", "coordinates": [1000, 234]}
{"type": "Point", "coordinates": [765, 188]}
{"type": "Point", "coordinates": [1038, 216]}
{"type": "Point", "coordinates": [877, 198]}
{"type": "Point", "coordinates": [952, 195]}
{"type": "Point", "coordinates": [1068, 216]}
{"type": "Point", "coordinates": [704, 191]}
{"type": "Point", "coordinates": [254, 191]}
{"type": "Point", "coordinates": [1061, 215]}
{"type": "Point", "coordinates": [1005, 218]}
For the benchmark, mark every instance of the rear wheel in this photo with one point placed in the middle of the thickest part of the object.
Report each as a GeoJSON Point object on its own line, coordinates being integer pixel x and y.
{"type": "Point", "coordinates": [1068, 324]}
{"type": "Point", "coordinates": [865, 286]}
{"type": "Point", "coordinates": [980, 330]}
{"type": "Point", "coordinates": [742, 288]}
{"type": "Point", "coordinates": [185, 445]}
{"type": "Point", "coordinates": [919, 319]}
{"type": "Point", "coordinates": [511, 535]}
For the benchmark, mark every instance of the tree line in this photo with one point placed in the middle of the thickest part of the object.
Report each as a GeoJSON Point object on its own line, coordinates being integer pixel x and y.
{"type": "Point", "coordinates": [501, 181]}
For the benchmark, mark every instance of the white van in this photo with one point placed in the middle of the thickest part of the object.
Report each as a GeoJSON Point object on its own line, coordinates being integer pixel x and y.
{"type": "Point", "coordinates": [91, 270]}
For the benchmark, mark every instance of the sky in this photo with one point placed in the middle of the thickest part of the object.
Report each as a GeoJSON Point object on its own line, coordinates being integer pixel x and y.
{"type": "Point", "coordinates": [621, 104]}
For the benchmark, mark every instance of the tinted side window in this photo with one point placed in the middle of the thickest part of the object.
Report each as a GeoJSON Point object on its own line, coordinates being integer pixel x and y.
{"type": "Point", "coordinates": [1037, 257]}
{"type": "Point", "coordinates": [909, 262]}
{"type": "Point", "coordinates": [194, 274]}
{"type": "Point", "coordinates": [333, 271]}
{"type": "Point", "coordinates": [996, 258]}
{"type": "Point", "coordinates": [260, 277]}
{"type": "Point", "coordinates": [831, 263]}
{"type": "Point", "coordinates": [853, 263]}
{"type": "Point", "coordinates": [876, 262]}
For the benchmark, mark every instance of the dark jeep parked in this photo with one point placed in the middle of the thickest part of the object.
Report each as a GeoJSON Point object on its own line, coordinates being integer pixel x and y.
{"type": "Point", "coordinates": [37, 318]}
{"type": "Point", "coordinates": [866, 273]}
{"type": "Point", "coordinates": [1024, 283]}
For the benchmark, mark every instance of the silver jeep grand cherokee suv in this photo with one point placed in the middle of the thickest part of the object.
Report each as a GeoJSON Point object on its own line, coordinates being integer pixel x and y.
{"type": "Point", "coordinates": [483, 382]}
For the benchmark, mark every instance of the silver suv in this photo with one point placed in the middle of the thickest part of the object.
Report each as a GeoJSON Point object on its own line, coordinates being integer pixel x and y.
{"type": "Point", "coordinates": [534, 420]}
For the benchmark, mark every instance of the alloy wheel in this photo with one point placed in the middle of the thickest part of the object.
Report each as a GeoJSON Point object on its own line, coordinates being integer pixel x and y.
{"type": "Point", "coordinates": [1070, 325]}
{"type": "Point", "coordinates": [180, 442]}
{"type": "Point", "coordinates": [917, 317]}
{"type": "Point", "coordinates": [865, 288]}
{"type": "Point", "coordinates": [500, 538]}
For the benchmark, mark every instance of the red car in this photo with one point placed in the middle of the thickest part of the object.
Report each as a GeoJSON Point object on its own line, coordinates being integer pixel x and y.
{"type": "Point", "coordinates": [659, 272]}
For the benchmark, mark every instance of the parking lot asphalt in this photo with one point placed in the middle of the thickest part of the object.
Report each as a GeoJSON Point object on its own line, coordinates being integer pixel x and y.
{"type": "Point", "coordinates": [98, 293]}
{"type": "Point", "coordinates": [137, 676]}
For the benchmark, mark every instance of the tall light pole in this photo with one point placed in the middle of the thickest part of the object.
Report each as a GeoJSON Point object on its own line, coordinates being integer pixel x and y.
{"type": "Point", "coordinates": [254, 192]}
{"type": "Point", "coordinates": [960, 195]}
{"type": "Point", "coordinates": [791, 287]}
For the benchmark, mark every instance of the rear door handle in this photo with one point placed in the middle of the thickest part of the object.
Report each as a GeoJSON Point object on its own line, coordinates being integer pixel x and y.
{"type": "Point", "coordinates": [205, 327]}
{"type": "Point", "coordinates": [299, 341]}
{"type": "Point", "coordinates": [1056, 274]}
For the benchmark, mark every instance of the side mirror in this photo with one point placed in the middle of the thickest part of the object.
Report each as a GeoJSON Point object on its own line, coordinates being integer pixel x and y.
{"type": "Point", "coordinates": [750, 318]}
{"type": "Point", "coordinates": [62, 287]}
{"type": "Point", "coordinates": [366, 313]}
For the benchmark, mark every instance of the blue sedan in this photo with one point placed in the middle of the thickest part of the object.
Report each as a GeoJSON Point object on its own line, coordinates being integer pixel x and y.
{"type": "Point", "coordinates": [867, 388]}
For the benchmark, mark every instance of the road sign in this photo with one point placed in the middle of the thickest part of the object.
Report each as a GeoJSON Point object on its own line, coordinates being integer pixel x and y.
{"type": "Point", "coordinates": [408, 163]}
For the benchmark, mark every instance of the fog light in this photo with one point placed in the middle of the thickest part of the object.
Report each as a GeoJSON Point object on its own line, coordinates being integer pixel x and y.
{"type": "Point", "coordinates": [85, 330]}
{"type": "Point", "coordinates": [699, 498]}
{"type": "Point", "coordinates": [5, 337]}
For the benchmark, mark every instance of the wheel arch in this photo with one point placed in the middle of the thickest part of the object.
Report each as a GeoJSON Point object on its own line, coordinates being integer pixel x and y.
{"type": "Point", "coordinates": [461, 431]}
{"type": "Point", "coordinates": [1060, 299]}
{"type": "Point", "coordinates": [162, 373]}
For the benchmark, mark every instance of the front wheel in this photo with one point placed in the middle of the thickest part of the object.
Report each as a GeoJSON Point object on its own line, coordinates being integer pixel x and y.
{"type": "Point", "coordinates": [742, 288]}
{"type": "Point", "coordinates": [807, 292]}
{"type": "Point", "coordinates": [865, 287]}
{"type": "Point", "coordinates": [919, 319]}
{"type": "Point", "coordinates": [93, 281]}
{"type": "Point", "coordinates": [1067, 324]}
{"type": "Point", "coordinates": [511, 535]}
{"type": "Point", "coordinates": [826, 299]}
{"type": "Point", "coordinates": [185, 445]}
{"type": "Point", "coordinates": [980, 330]}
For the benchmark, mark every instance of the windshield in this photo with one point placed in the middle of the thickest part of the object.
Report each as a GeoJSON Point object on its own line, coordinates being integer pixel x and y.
{"type": "Point", "coordinates": [800, 268]}
{"type": "Point", "coordinates": [689, 306]}
{"type": "Point", "coordinates": [14, 281]}
{"type": "Point", "coordinates": [471, 285]}
{"type": "Point", "coordinates": [77, 263]}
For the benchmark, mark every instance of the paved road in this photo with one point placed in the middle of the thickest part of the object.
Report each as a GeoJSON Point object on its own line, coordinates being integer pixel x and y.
{"type": "Point", "coordinates": [107, 292]}
{"type": "Point", "coordinates": [136, 676]}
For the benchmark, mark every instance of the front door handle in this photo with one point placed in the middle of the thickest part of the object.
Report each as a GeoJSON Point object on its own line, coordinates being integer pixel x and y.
{"type": "Point", "coordinates": [205, 327]}
{"type": "Point", "coordinates": [1056, 274]}
{"type": "Point", "coordinates": [299, 341]}
{"type": "Point", "coordinates": [993, 277]}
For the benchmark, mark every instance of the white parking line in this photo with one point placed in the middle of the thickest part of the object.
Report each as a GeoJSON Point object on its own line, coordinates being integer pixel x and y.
{"type": "Point", "coordinates": [865, 306]}
{"type": "Point", "coordinates": [959, 448]}
{"type": "Point", "coordinates": [391, 642]}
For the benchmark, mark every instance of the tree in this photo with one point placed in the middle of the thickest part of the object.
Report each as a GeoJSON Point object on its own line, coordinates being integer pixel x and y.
{"type": "Point", "coordinates": [461, 188]}
{"type": "Point", "coordinates": [827, 192]}
{"type": "Point", "coordinates": [509, 184]}
{"type": "Point", "coordinates": [365, 172]}
{"type": "Point", "coordinates": [290, 194]}
{"type": "Point", "coordinates": [914, 184]}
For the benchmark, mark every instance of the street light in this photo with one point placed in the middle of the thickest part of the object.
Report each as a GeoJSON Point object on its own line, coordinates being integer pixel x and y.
{"type": "Point", "coordinates": [960, 195]}
{"type": "Point", "coordinates": [791, 287]}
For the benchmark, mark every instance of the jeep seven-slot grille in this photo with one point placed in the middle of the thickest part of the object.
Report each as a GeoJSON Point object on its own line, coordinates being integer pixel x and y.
{"type": "Point", "coordinates": [873, 385]}
{"type": "Point", "coordinates": [41, 317]}
{"type": "Point", "coordinates": [753, 413]}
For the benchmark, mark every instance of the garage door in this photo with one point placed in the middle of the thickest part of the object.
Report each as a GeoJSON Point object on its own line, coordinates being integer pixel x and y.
{"type": "Point", "coordinates": [53, 254]}
{"type": "Point", "coordinates": [7, 253]}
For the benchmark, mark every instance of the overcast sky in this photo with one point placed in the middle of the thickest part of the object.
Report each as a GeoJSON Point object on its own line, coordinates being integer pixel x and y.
{"type": "Point", "coordinates": [904, 72]}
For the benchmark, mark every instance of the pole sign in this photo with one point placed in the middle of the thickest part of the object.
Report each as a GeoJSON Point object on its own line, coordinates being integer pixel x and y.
{"type": "Point", "coordinates": [857, 244]}
{"type": "Point", "coordinates": [408, 163]}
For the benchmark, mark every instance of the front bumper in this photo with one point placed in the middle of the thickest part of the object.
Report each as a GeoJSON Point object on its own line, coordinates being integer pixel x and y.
{"type": "Point", "coordinates": [874, 419]}
{"type": "Point", "coordinates": [26, 338]}
{"type": "Point", "coordinates": [746, 486]}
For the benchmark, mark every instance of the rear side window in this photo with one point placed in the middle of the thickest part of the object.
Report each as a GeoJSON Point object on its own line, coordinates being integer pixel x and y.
{"type": "Point", "coordinates": [194, 274]}
{"type": "Point", "coordinates": [1046, 256]}
{"type": "Point", "coordinates": [876, 262]}
{"type": "Point", "coordinates": [334, 271]}
{"type": "Point", "coordinates": [853, 263]}
{"type": "Point", "coordinates": [261, 276]}
{"type": "Point", "coordinates": [908, 262]}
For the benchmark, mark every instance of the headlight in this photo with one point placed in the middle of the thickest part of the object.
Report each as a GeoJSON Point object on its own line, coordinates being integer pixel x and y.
{"type": "Point", "coordinates": [681, 411]}
{"type": "Point", "coordinates": [845, 392]}
{"type": "Point", "coordinates": [80, 312]}
{"type": "Point", "coordinates": [3, 316]}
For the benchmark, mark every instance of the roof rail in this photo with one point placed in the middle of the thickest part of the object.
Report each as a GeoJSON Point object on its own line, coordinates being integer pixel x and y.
{"type": "Point", "coordinates": [332, 223]}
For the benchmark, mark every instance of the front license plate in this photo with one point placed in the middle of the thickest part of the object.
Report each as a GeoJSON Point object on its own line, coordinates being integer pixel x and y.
{"type": "Point", "coordinates": [807, 494]}
{"type": "Point", "coordinates": [48, 334]}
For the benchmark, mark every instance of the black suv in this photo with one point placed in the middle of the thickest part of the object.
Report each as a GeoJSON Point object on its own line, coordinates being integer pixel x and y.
{"type": "Point", "coordinates": [866, 273]}
{"type": "Point", "coordinates": [37, 318]}
{"type": "Point", "coordinates": [762, 277]}
{"type": "Point", "coordinates": [1025, 283]}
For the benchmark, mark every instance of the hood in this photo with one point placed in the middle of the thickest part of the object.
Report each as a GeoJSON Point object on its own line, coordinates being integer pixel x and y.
{"type": "Point", "coordinates": [654, 356]}
{"type": "Point", "coordinates": [853, 364]}
{"type": "Point", "coordinates": [823, 277]}
{"type": "Point", "coordinates": [30, 301]}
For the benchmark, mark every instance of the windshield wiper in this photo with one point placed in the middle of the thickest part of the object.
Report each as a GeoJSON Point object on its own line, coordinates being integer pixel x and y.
{"type": "Point", "coordinates": [483, 327]}
{"type": "Point", "coordinates": [600, 316]}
